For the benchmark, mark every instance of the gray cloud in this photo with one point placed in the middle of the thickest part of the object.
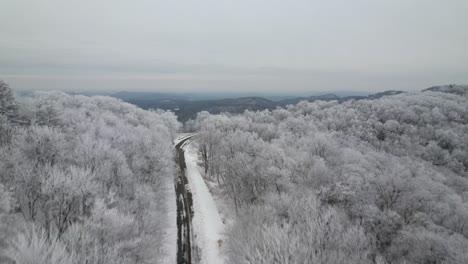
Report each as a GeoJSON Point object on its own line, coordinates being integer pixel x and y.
{"type": "Point", "coordinates": [267, 45]}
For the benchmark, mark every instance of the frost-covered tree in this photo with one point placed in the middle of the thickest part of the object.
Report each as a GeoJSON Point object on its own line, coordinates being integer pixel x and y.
{"type": "Point", "coordinates": [296, 230]}
{"type": "Point", "coordinates": [392, 172]}
{"type": "Point", "coordinates": [89, 177]}
{"type": "Point", "coordinates": [8, 104]}
{"type": "Point", "coordinates": [8, 224]}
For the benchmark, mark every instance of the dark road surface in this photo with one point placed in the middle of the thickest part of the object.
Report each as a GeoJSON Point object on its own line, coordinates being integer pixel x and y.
{"type": "Point", "coordinates": [184, 209]}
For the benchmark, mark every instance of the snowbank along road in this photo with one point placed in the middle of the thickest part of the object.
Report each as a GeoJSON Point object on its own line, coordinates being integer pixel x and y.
{"type": "Point", "coordinates": [207, 224]}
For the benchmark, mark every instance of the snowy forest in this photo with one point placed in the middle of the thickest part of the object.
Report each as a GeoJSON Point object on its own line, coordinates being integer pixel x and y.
{"type": "Point", "coordinates": [87, 180]}
{"type": "Point", "coordinates": [369, 181]}
{"type": "Point", "coordinates": [83, 179]}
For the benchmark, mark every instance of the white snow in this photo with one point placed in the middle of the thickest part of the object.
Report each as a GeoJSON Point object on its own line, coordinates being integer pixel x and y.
{"type": "Point", "coordinates": [170, 232]}
{"type": "Point", "coordinates": [182, 136]}
{"type": "Point", "coordinates": [207, 225]}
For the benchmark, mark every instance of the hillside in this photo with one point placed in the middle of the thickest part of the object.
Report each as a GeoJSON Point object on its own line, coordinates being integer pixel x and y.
{"type": "Point", "coordinates": [83, 180]}
{"type": "Point", "coordinates": [450, 88]}
{"type": "Point", "coordinates": [377, 179]}
{"type": "Point", "coordinates": [363, 181]}
{"type": "Point", "coordinates": [187, 107]}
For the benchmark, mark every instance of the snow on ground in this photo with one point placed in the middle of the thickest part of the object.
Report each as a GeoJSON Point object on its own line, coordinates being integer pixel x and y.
{"type": "Point", "coordinates": [225, 209]}
{"type": "Point", "coordinates": [207, 224]}
{"type": "Point", "coordinates": [170, 231]}
{"type": "Point", "coordinates": [182, 136]}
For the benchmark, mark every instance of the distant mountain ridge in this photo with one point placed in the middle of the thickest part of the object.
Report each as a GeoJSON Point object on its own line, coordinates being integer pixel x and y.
{"type": "Point", "coordinates": [450, 88]}
{"type": "Point", "coordinates": [187, 108]}
{"type": "Point", "coordinates": [385, 93]}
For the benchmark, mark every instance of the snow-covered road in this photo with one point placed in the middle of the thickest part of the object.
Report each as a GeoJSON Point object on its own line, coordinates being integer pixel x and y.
{"type": "Point", "coordinates": [184, 206]}
{"type": "Point", "coordinates": [206, 223]}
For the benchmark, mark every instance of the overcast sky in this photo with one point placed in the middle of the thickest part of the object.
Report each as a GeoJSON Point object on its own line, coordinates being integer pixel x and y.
{"type": "Point", "coordinates": [244, 45]}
